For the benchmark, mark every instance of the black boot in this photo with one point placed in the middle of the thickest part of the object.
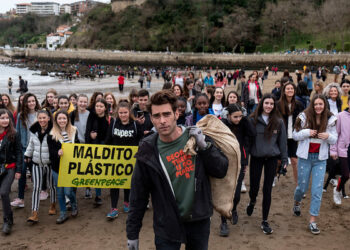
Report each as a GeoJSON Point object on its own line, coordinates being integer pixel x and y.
{"type": "Point", "coordinates": [7, 226]}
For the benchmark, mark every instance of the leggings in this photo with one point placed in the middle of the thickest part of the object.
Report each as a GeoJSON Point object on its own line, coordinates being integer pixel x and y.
{"type": "Point", "coordinates": [115, 196]}
{"type": "Point", "coordinates": [345, 171]}
{"type": "Point", "coordinates": [332, 171]}
{"type": "Point", "coordinates": [38, 176]}
{"type": "Point", "coordinates": [121, 87]}
{"type": "Point", "coordinates": [5, 188]}
{"type": "Point", "coordinates": [256, 167]}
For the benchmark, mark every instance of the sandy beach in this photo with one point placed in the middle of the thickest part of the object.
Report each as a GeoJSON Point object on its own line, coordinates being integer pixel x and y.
{"type": "Point", "coordinates": [91, 230]}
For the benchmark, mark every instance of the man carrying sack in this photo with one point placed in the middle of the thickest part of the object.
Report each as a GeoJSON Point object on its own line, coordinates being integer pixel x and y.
{"type": "Point", "coordinates": [177, 182]}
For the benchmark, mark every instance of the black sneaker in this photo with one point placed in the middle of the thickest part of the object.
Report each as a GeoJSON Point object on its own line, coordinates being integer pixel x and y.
{"type": "Point", "coordinates": [224, 229]}
{"type": "Point", "coordinates": [297, 210]}
{"type": "Point", "coordinates": [313, 228]}
{"type": "Point", "coordinates": [250, 208]}
{"type": "Point", "coordinates": [266, 227]}
{"type": "Point", "coordinates": [98, 201]}
{"type": "Point", "coordinates": [234, 219]}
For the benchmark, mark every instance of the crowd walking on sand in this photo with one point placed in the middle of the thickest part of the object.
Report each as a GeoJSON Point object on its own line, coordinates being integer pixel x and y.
{"type": "Point", "coordinates": [301, 126]}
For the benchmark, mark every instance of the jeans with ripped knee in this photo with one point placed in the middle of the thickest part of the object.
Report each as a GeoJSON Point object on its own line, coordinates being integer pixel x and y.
{"type": "Point", "coordinates": [314, 168]}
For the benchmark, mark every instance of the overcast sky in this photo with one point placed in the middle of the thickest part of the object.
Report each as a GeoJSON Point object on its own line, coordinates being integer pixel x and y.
{"type": "Point", "coordinates": [6, 5]}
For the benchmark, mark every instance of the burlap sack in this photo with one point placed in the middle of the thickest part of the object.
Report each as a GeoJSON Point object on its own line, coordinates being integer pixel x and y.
{"type": "Point", "coordinates": [223, 190]}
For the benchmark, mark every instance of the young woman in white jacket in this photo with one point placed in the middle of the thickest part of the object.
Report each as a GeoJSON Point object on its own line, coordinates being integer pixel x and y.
{"type": "Point", "coordinates": [315, 129]}
{"type": "Point", "coordinates": [38, 152]}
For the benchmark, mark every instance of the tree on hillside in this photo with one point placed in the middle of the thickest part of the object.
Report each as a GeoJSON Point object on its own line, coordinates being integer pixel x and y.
{"type": "Point", "coordinates": [284, 16]}
{"type": "Point", "coordinates": [333, 17]}
{"type": "Point", "coordinates": [237, 27]}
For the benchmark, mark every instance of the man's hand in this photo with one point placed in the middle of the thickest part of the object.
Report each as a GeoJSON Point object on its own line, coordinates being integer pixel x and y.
{"type": "Point", "coordinates": [133, 244]}
{"type": "Point", "coordinates": [199, 136]}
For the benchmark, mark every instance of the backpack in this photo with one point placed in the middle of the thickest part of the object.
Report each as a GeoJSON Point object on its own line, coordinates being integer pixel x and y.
{"type": "Point", "coordinates": [336, 70]}
{"type": "Point", "coordinates": [25, 86]}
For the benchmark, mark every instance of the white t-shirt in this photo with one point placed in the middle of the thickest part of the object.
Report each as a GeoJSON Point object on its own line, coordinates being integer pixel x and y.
{"type": "Point", "coordinates": [253, 92]}
{"type": "Point", "coordinates": [333, 106]}
{"type": "Point", "coordinates": [217, 108]}
{"type": "Point", "coordinates": [265, 118]}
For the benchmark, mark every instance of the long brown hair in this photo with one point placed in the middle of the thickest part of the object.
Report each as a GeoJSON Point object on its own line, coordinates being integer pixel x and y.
{"type": "Point", "coordinates": [283, 103]}
{"type": "Point", "coordinates": [10, 130]}
{"type": "Point", "coordinates": [310, 114]}
{"type": "Point", "coordinates": [10, 105]}
{"type": "Point", "coordinates": [274, 116]}
{"type": "Point", "coordinates": [45, 103]}
{"type": "Point", "coordinates": [93, 100]}
{"type": "Point", "coordinates": [25, 109]}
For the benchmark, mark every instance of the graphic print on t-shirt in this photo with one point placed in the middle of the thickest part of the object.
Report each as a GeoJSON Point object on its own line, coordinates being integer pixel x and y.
{"type": "Point", "coordinates": [183, 163]}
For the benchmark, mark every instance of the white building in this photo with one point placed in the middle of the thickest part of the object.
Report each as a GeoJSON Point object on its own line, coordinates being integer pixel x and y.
{"type": "Point", "coordinates": [23, 8]}
{"type": "Point", "coordinates": [45, 8]}
{"type": "Point", "coordinates": [65, 9]}
{"type": "Point", "coordinates": [55, 40]}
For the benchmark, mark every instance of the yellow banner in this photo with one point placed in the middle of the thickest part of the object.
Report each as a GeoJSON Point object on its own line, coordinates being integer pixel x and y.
{"type": "Point", "coordinates": [98, 166]}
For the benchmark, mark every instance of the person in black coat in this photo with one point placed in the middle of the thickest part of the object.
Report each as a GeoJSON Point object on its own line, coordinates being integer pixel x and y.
{"type": "Point", "coordinates": [122, 131]}
{"type": "Point", "coordinates": [290, 108]}
{"type": "Point", "coordinates": [244, 131]}
{"type": "Point", "coordinates": [161, 165]}
{"type": "Point", "coordinates": [11, 159]}
{"type": "Point", "coordinates": [96, 132]}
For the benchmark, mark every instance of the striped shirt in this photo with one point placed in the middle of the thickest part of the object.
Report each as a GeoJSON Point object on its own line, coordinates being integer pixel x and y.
{"type": "Point", "coordinates": [65, 137]}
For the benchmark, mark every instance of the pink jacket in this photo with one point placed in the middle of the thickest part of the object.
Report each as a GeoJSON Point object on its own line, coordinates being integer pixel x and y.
{"type": "Point", "coordinates": [340, 149]}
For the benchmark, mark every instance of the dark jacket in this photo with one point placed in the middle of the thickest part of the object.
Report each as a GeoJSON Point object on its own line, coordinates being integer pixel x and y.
{"type": "Point", "coordinates": [276, 146]}
{"type": "Point", "coordinates": [54, 146]}
{"type": "Point", "coordinates": [299, 107]}
{"type": "Point", "coordinates": [11, 152]}
{"type": "Point", "coordinates": [305, 100]}
{"type": "Point", "coordinates": [99, 125]}
{"type": "Point", "coordinates": [149, 179]}
{"type": "Point", "coordinates": [244, 133]}
{"type": "Point", "coordinates": [277, 93]}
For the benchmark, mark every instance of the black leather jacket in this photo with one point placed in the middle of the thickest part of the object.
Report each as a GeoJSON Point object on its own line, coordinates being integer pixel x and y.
{"type": "Point", "coordinates": [11, 152]}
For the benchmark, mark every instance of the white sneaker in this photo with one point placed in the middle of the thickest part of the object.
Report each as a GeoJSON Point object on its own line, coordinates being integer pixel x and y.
{"type": "Point", "coordinates": [274, 181]}
{"type": "Point", "coordinates": [243, 188]}
{"type": "Point", "coordinates": [43, 195]}
{"type": "Point", "coordinates": [334, 182]}
{"type": "Point", "coordinates": [17, 202]}
{"type": "Point", "coordinates": [337, 196]}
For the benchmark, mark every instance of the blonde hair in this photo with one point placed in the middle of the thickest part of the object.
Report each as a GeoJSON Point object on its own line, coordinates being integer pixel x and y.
{"type": "Point", "coordinates": [56, 130]}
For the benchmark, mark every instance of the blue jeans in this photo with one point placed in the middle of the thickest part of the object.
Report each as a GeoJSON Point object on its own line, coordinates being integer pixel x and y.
{"type": "Point", "coordinates": [62, 192]}
{"type": "Point", "coordinates": [23, 180]}
{"type": "Point", "coordinates": [148, 84]}
{"type": "Point", "coordinates": [251, 109]}
{"type": "Point", "coordinates": [316, 168]}
{"type": "Point", "coordinates": [197, 237]}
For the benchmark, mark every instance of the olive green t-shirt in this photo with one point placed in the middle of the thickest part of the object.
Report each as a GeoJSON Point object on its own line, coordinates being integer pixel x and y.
{"type": "Point", "coordinates": [181, 171]}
